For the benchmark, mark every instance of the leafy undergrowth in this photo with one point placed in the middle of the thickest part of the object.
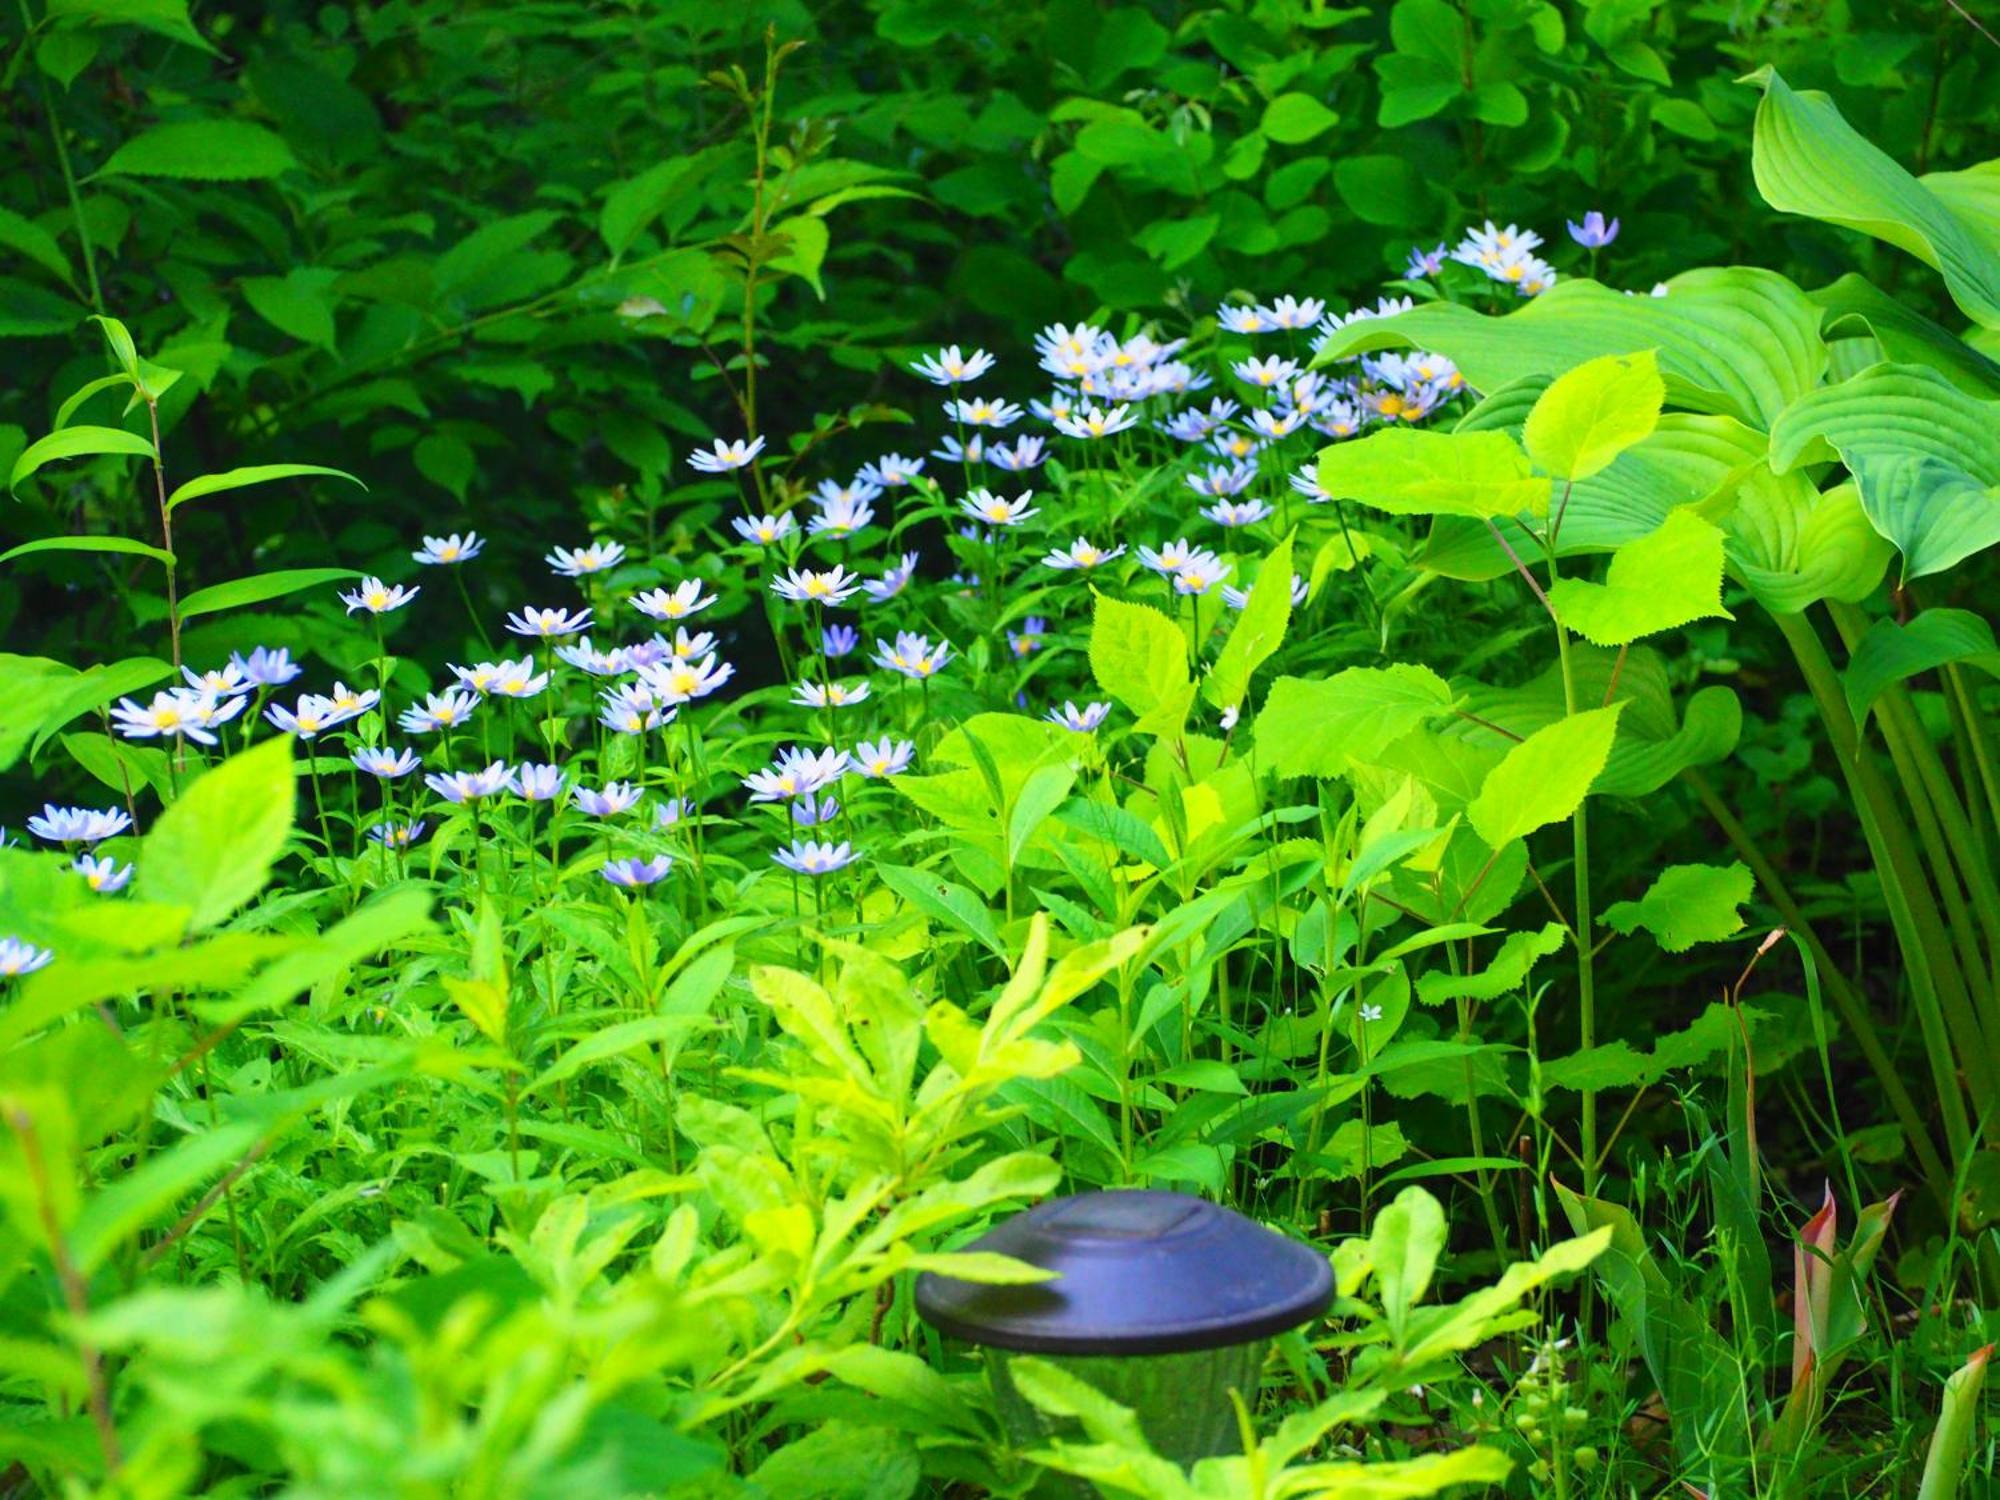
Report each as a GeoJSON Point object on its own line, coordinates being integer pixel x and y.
{"type": "Point", "coordinates": [531, 1052]}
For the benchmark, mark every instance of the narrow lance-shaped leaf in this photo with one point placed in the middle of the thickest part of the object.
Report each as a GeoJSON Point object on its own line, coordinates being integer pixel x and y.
{"type": "Point", "coordinates": [236, 479]}
{"type": "Point", "coordinates": [76, 442]}
{"type": "Point", "coordinates": [1259, 630]}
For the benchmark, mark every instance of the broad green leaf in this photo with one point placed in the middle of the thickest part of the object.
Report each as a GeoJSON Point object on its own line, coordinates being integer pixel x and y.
{"type": "Point", "coordinates": [1853, 304]}
{"type": "Point", "coordinates": [1890, 653]}
{"type": "Point", "coordinates": [1659, 582]}
{"type": "Point", "coordinates": [37, 244]}
{"type": "Point", "coordinates": [1403, 1247]}
{"type": "Point", "coordinates": [1688, 1359]}
{"type": "Point", "coordinates": [1545, 778]}
{"type": "Point", "coordinates": [169, 18]}
{"type": "Point", "coordinates": [463, 271]}
{"type": "Point", "coordinates": [1735, 341]}
{"type": "Point", "coordinates": [1793, 545]}
{"type": "Point", "coordinates": [259, 588]}
{"type": "Point", "coordinates": [1259, 630]}
{"type": "Point", "coordinates": [631, 205]}
{"type": "Point", "coordinates": [1293, 119]}
{"type": "Point", "coordinates": [213, 849]}
{"type": "Point", "coordinates": [1808, 160]}
{"type": "Point", "coordinates": [1593, 413]}
{"type": "Point", "coordinates": [1321, 727]}
{"type": "Point", "coordinates": [236, 479]}
{"type": "Point", "coordinates": [1140, 657]}
{"type": "Point", "coordinates": [203, 151]}
{"type": "Point", "coordinates": [76, 442]}
{"type": "Point", "coordinates": [87, 544]}
{"type": "Point", "coordinates": [1413, 471]}
{"type": "Point", "coordinates": [296, 304]}
{"type": "Point", "coordinates": [1687, 904]}
{"type": "Point", "coordinates": [946, 902]}
{"type": "Point", "coordinates": [148, 1193]}
{"type": "Point", "coordinates": [1925, 458]}
{"type": "Point", "coordinates": [1688, 461]}
{"type": "Point", "coordinates": [1507, 971]}
{"type": "Point", "coordinates": [803, 240]}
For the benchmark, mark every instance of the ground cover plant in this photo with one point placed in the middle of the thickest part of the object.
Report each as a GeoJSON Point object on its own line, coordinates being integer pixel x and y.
{"type": "Point", "coordinates": [1391, 627]}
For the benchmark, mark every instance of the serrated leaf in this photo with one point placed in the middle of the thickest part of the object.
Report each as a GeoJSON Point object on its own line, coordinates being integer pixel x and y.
{"type": "Point", "coordinates": [1687, 904]}
{"type": "Point", "coordinates": [1322, 727]}
{"type": "Point", "coordinates": [1593, 413]}
{"type": "Point", "coordinates": [203, 151]}
{"type": "Point", "coordinates": [1659, 582]}
{"type": "Point", "coordinates": [1411, 471]}
{"type": "Point", "coordinates": [1545, 778]}
{"type": "Point", "coordinates": [1139, 657]}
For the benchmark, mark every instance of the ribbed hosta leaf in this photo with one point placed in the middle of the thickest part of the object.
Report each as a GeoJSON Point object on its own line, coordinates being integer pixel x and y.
{"type": "Point", "coordinates": [1854, 304]}
{"type": "Point", "coordinates": [1925, 456]}
{"type": "Point", "coordinates": [1736, 341]}
{"type": "Point", "coordinates": [1792, 545]}
{"type": "Point", "coordinates": [1655, 742]}
{"type": "Point", "coordinates": [1808, 160]}
{"type": "Point", "coordinates": [1686, 462]}
{"type": "Point", "coordinates": [1974, 195]}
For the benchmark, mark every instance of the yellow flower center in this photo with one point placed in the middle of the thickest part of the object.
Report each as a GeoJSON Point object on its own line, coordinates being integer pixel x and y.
{"type": "Point", "coordinates": [447, 553]}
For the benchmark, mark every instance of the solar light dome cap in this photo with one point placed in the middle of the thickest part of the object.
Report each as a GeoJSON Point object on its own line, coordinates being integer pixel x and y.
{"type": "Point", "coordinates": [1138, 1272]}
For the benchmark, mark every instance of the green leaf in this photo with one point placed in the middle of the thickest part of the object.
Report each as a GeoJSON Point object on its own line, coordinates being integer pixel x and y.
{"type": "Point", "coordinates": [632, 205]}
{"type": "Point", "coordinates": [1413, 471]}
{"type": "Point", "coordinates": [1736, 341]}
{"type": "Point", "coordinates": [37, 244]}
{"type": "Point", "coordinates": [96, 688]}
{"type": "Point", "coordinates": [1659, 582]}
{"type": "Point", "coordinates": [1793, 545]}
{"type": "Point", "coordinates": [1506, 972]}
{"type": "Point", "coordinates": [1293, 119]}
{"type": "Point", "coordinates": [236, 479]}
{"type": "Point", "coordinates": [296, 304]}
{"type": "Point", "coordinates": [1041, 794]}
{"type": "Point", "coordinates": [213, 849]}
{"type": "Point", "coordinates": [1854, 305]}
{"type": "Point", "coordinates": [1808, 160]}
{"type": "Point", "coordinates": [76, 442]}
{"type": "Point", "coordinates": [203, 151]}
{"type": "Point", "coordinates": [1323, 727]}
{"type": "Point", "coordinates": [1890, 653]}
{"type": "Point", "coordinates": [258, 588]}
{"type": "Point", "coordinates": [169, 18]}
{"type": "Point", "coordinates": [1591, 414]}
{"type": "Point", "coordinates": [1687, 904]}
{"type": "Point", "coordinates": [446, 460]}
{"type": "Point", "coordinates": [1925, 458]}
{"type": "Point", "coordinates": [1139, 657]}
{"type": "Point", "coordinates": [949, 903]}
{"type": "Point", "coordinates": [87, 544]}
{"type": "Point", "coordinates": [1545, 778]}
{"type": "Point", "coordinates": [1259, 630]}
{"type": "Point", "coordinates": [1403, 1247]}
{"type": "Point", "coordinates": [805, 239]}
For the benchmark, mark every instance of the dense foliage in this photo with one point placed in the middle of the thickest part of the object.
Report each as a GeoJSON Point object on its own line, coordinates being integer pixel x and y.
{"type": "Point", "coordinates": [665, 657]}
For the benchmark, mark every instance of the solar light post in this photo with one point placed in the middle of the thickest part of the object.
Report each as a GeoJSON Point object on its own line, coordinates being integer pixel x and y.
{"type": "Point", "coordinates": [1162, 1301]}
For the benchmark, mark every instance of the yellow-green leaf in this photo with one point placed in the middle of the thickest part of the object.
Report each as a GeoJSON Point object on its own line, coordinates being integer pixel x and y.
{"type": "Point", "coordinates": [1593, 413]}
{"type": "Point", "coordinates": [1665, 579]}
{"type": "Point", "coordinates": [1544, 779]}
{"type": "Point", "coordinates": [1412, 472]}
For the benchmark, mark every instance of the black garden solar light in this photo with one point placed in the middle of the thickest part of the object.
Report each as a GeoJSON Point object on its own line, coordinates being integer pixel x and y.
{"type": "Point", "coordinates": [1163, 1302]}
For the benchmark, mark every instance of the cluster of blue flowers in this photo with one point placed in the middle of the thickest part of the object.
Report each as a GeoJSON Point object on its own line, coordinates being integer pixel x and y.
{"type": "Point", "coordinates": [1122, 401]}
